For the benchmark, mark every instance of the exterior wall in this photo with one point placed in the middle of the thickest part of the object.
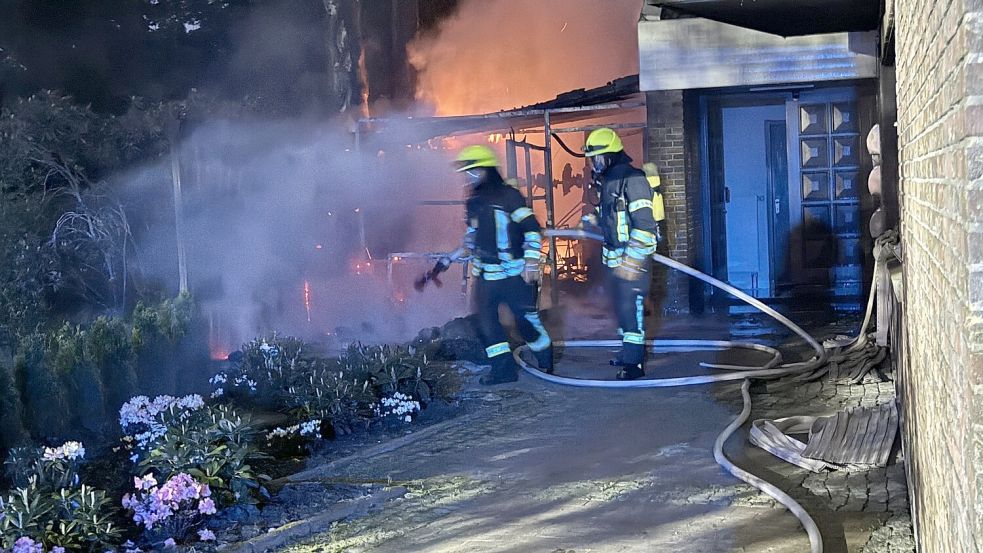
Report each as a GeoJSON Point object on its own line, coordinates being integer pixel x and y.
{"type": "Point", "coordinates": [940, 133]}
{"type": "Point", "coordinates": [664, 147]}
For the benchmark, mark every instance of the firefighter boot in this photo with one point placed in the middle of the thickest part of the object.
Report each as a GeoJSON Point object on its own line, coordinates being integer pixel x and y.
{"type": "Point", "coordinates": [503, 369]}
{"type": "Point", "coordinates": [630, 372]}
{"type": "Point", "coordinates": [544, 360]}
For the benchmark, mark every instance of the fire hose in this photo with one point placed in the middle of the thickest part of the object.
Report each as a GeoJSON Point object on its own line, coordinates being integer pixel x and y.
{"type": "Point", "coordinates": [771, 369]}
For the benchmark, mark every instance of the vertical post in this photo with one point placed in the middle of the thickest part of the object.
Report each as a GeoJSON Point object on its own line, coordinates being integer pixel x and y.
{"type": "Point", "coordinates": [174, 126]}
{"type": "Point", "coordinates": [511, 168]}
{"type": "Point", "coordinates": [529, 190]}
{"type": "Point", "coordinates": [361, 233]}
{"type": "Point", "coordinates": [550, 215]}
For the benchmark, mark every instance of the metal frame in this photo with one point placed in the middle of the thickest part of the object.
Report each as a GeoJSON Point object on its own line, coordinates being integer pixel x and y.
{"type": "Point", "coordinates": [503, 121]}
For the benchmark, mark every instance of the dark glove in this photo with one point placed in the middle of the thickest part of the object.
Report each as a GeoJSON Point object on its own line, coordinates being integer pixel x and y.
{"type": "Point", "coordinates": [432, 275]}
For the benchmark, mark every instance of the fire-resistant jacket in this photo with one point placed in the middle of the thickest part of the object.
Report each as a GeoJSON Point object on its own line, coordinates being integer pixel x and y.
{"type": "Point", "coordinates": [502, 231]}
{"type": "Point", "coordinates": [625, 214]}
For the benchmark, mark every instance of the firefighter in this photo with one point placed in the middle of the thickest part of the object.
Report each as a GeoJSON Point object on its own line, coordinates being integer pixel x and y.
{"type": "Point", "coordinates": [504, 239]}
{"type": "Point", "coordinates": [625, 217]}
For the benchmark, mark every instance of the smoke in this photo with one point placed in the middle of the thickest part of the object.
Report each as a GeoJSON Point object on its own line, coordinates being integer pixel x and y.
{"type": "Point", "coordinates": [270, 206]}
{"type": "Point", "coordinates": [499, 54]}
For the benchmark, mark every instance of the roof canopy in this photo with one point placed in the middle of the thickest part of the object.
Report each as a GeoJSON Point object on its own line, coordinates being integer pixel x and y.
{"type": "Point", "coordinates": [568, 107]}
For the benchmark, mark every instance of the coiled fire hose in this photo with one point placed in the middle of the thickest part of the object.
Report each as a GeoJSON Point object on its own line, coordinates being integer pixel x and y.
{"type": "Point", "coordinates": [770, 369]}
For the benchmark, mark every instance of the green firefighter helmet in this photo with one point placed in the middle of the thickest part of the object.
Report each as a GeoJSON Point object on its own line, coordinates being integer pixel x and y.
{"type": "Point", "coordinates": [478, 155]}
{"type": "Point", "coordinates": [602, 141]}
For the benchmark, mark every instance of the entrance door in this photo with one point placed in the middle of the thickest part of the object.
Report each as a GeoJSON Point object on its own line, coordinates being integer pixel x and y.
{"type": "Point", "coordinates": [783, 175]}
{"type": "Point", "coordinates": [825, 201]}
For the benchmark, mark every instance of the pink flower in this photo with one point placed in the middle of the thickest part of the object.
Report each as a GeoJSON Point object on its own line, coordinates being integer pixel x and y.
{"type": "Point", "coordinates": [57, 550]}
{"type": "Point", "coordinates": [206, 506]}
{"type": "Point", "coordinates": [206, 535]}
{"type": "Point", "coordinates": [169, 543]}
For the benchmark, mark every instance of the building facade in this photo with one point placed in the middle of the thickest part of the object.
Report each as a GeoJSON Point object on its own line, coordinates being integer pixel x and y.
{"type": "Point", "coordinates": [761, 141]}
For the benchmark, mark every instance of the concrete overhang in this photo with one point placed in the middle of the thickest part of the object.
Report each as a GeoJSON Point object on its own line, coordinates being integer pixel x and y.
{"type": "Point", "coordinates": [692, 53]}
{"type": "Point", "coordinates": [783, 17]}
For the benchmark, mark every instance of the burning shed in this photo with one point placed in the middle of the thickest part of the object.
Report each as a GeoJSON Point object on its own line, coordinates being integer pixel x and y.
{"type": "Point", "coordinates": [540, 145]}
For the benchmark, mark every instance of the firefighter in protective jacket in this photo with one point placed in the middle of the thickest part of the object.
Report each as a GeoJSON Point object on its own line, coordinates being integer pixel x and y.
{"type": "Point", "coordinates": [504, 239]}
{"type": "Point", "coordinates": [630, 233]}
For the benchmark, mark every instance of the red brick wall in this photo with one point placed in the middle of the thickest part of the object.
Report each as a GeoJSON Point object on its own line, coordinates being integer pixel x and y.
{"type": "Point", "coordinates": [665, 148]}
{"type": "Point", "coordinates": [939, 59]}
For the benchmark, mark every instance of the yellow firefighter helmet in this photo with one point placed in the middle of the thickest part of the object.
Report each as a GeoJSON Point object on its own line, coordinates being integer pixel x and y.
{"type": "Point", "coordinates": [478, 155]}
{"type": "Point", "coordinates": [603, 141]}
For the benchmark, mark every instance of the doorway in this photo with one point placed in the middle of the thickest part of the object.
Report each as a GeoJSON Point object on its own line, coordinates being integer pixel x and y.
{"type": "Point", "coordinates": [747, 209]}
{"type": "Point", "coordinates": [782, 174]}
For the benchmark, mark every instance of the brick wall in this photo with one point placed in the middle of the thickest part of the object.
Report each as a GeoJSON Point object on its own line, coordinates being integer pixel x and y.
{"type": "Point", "coordinates": [939, 45]}
{"type": "Point", "coordinates": [664, 147]}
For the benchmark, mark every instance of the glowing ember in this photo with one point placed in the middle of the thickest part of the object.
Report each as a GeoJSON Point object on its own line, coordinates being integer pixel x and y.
{"type": "Point", "coordinates": [218, 338]}
{"type": "Point", "coordinates": [307, 299]}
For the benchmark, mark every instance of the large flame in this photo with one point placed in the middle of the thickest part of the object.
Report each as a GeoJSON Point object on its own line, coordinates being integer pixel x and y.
{"type": "Point", "coordinates": [499, 54]}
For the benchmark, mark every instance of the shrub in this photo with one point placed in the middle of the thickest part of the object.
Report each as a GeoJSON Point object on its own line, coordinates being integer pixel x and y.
{"type": "Point", "coordinates": [44, 398]}
{"type": "Point", "coordinates": [271, 366]}
{"type": "Point", "coordinates": [406, 370]}
{"type": "Point", "coordinates": [51, 468]}
{"type": "Point", "coordinates": [107, 348]}
{"type": "Point", "coordinates": [343, 393]}
{"type": "Point", "coordinates": [169, 319]}
{"type": "Point", "coordinates": [76, 519]}
{"type": "Point", "coordinates": [342, 397]}
{"type": "Point", "coordinates": [182, 435]}
{"type": "Point", "coordinates": [169, 511]}
{"type": "Point", "coordinates": [157, 332]}
{"type": "Point", "coordinates": [87, 398]}
{"type": "Point", "coordinates": [12, 431]}
{"type": "Point", "coordinates": [50, 506]}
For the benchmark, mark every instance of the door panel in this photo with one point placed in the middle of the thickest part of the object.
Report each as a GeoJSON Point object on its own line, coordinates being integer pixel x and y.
{"type": "Point", "coordinates": [827, 209]}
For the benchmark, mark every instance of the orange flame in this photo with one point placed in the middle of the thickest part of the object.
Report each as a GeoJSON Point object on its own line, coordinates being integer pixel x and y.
{"type": "Point", "coordinates": [534, 42]}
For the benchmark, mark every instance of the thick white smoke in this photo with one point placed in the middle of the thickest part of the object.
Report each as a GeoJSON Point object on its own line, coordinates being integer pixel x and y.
{"type": "Point", "coordinates": [499, 54]}
{"type": "Point", "coordinates": [272, 205]}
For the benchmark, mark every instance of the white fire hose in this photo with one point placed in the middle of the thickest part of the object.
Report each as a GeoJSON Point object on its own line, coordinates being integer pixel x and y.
{"type": "Point", "coordinates": [771, 369]}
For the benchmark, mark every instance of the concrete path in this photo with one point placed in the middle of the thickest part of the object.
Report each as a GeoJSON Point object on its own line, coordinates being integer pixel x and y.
{"type": "Point", "coordinates": [556, 469]}
{"type": "Point", "coordinates": [539, 467]}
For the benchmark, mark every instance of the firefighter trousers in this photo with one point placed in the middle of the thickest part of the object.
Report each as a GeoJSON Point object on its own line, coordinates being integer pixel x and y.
{"type": "Point", "coordinates": [628, 301]}
{"type": "Point", "coordinates": [521, 300]}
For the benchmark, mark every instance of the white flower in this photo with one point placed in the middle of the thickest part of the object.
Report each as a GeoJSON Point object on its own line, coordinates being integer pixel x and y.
{"type": "Point", "coordinates": [206, 534]}
{"type": "Point", "coordinates": [219, 392]}
{"type": "Point", "coordinates": [69, 450]}
{"type": "Point", "coordinates": [169, 543]}
{"type": "Point", "coordinates": [408, 418]}
{"type": "Point", "coordinates": [310, 428]}
{"type": "Point", "coordinates": [220, 378]}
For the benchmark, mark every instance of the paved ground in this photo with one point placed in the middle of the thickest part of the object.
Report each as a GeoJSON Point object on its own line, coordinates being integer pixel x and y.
{"type": "Point", "coordinates": [538, 467]}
